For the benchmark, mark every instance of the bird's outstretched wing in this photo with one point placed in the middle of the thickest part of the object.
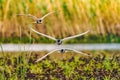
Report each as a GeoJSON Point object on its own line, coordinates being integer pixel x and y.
{"type": "Point", "coordinates": [67, 38]}
{"type": "Point", "coordinates": [46, 15]}
{"type": "Point", "coordinates": [43, 34]}
{"type": "Point", "coordinates": [47, 55]}
{"type": "Point", "coordinates": [28, 15]}
{"type": "Point", "coordinates": [77, 51]}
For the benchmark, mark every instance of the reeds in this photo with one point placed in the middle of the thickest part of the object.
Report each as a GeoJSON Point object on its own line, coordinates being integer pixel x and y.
{"type": "Point", "coordinates": [71, 17]}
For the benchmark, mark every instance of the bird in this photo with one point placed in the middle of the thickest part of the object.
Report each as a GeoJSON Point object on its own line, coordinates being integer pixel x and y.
{"type": "Point", "coordinates": [58, 41]}
{"type": "Point", "coordinates": [37, 20]}
{"type": "Point", "coordinates": [63, 50]}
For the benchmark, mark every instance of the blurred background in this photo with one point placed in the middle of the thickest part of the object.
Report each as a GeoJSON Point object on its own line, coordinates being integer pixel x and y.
{"type": "Point", "coordinates": [71, 17]}
{"type": "Point", "coordinates": [101, 17]}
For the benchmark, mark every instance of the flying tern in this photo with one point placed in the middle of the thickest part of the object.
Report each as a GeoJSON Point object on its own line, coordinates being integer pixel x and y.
{"type": "Point", "coordinates": [63, 50]}
{"type": "Point", "coordinates": [58, 41]}
{"type": "Point", "coordinates": [37, 20]}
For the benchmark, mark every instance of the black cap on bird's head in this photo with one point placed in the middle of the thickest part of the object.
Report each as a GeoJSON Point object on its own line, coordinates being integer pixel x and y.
{"type": "Point", "coordinates": [62, 50]}
{"type": "Point", "coordinates": [59, 42]}
{"type": "Point", "coordinates": [39, 21]}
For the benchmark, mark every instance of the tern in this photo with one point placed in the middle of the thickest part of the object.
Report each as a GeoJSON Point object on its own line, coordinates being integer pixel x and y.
{"type": "Point", "coordinates": [37, 20]}
{"type": "Point", "coordinates": [61, 51]}
{"type": "Point", "coordinates": [59, 41]}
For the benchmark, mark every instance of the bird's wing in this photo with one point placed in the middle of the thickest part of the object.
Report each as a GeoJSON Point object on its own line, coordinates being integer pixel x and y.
{"type": "Point", "coordinates": [47, 55]}
{"type": "Point", "coordinates": [77, 51]}
{"type": "Point", "coordinates": [43, 34]}
{"type": "Point", "coordinates": [67, 38]}
{"type": "Point", "coordinates": [28, 15]}
{"type": "Point", "coordinates": [46, 15]}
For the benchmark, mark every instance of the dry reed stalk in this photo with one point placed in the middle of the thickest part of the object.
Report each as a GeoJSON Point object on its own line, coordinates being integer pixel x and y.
{"type": "Point", "coordinates": [71, 17]}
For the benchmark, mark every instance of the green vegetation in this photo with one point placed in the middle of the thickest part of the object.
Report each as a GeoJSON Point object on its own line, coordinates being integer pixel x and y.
{"type": "Point", "coordinates": [103, 65]}
{"type": "Point", "coordinates": [83, 39]}
{"type": "Point", "coordinates": [71, 17]}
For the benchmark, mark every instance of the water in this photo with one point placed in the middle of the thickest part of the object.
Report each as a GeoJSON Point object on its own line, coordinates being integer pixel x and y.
{"type": "Point", "coordinates": [49, 47]}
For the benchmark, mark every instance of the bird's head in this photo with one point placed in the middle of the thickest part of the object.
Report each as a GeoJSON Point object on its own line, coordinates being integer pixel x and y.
{"type": "Point", "coordinates": [62, 50]}
{"type": "Point", "coordinates": [59, 42]}
{"type": "Point", "coordinates": [39, 21]}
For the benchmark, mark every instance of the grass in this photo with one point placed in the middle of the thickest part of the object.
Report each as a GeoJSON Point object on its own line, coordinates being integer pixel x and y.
{"type": "Point", "coordinates": [103, 65]}
{"type": "Point", "coordinates": [83, 39]}
{"type": "Point", "coordinates": [71, 17]}
{"type": "Point", "coordinates": [2, 63]}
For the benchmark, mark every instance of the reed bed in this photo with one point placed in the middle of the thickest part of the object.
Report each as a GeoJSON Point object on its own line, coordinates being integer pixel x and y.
{"type": "Point", "coordinates": [70, 17]}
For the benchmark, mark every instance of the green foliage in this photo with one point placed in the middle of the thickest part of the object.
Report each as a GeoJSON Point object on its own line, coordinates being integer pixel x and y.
{"type": "Point", "coordinates": [88, 68]}
{"type": "Point", "coordinates": [83, 39]}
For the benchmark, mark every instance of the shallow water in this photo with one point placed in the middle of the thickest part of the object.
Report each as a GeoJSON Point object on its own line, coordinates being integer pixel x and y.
{"type": "Point", "coordinates": [49, 47]}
